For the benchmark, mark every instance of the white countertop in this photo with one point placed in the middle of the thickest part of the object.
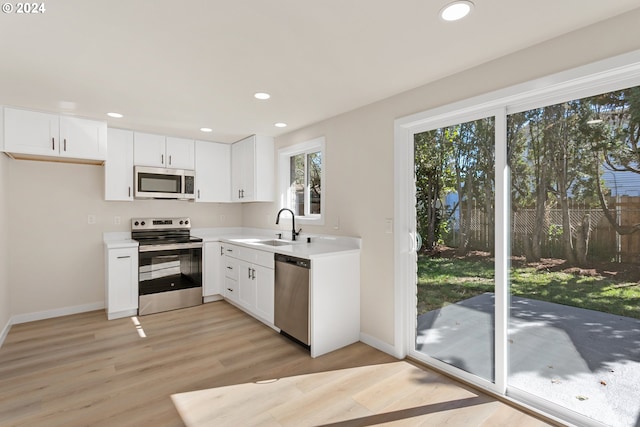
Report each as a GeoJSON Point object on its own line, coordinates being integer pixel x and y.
{"type": "Point", "coordinates": [320, 246]}
{"type": "Point", "coordinates": [118, 240]}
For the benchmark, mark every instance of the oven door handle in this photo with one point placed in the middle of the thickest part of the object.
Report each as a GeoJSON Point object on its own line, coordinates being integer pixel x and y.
{"type": "Point", "coordinates": [169, 247]}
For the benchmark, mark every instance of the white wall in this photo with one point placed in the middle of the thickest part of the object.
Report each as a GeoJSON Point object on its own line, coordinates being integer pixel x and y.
{"type": "Point", "coordinates": [5, 310]}
{"type": "Point", "coordinates": [359, 150]}
{"type": "Point", "coordinates": [56, 257]}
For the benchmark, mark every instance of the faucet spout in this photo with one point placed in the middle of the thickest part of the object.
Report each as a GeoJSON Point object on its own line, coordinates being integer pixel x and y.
{"type": "Point", "coordinates": [294, 233]}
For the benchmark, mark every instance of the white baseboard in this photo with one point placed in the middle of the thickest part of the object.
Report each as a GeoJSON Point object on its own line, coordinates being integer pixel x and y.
{"type": "Point", "coordinates": [212, 298]}
{"type": "Point", "coordinates": [57, 312]}
{"type": "Point", "coordinates": [380, 345]}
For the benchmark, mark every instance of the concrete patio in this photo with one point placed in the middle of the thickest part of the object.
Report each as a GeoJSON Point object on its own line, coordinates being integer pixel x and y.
{"type": "Point", "coordinates": [584, 360]}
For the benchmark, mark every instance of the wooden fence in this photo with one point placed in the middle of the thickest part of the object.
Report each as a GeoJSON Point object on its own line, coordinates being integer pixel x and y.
{"type": "Point", "coordinates": [604, 243]}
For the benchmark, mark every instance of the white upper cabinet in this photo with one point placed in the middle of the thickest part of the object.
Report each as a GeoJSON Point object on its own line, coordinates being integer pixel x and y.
{"type": "Point", "coordinates": [180, 153]}
{"type": "Point", "coordinates": [31, 133]}
{"type": "Point", "coordinates": [163, 152]}
{"type": "Point", "coordinates": [118, 169]}
{"type": "Point", "coordinates": [213, 172]}
{"type": "Point", "coordinates": [252, 170]}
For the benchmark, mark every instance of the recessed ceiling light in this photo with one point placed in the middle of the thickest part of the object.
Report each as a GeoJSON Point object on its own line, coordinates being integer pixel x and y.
{"type": "Point", "coordinates": [280, 125]}
{"type": "Point", "coordinates": [206, 129]}
{"type": "Point", "coordinates": [456, 10]}
{"type": "Point", "coordinates": [261, 95]}
{"type": "Point", "coordinates": [115, 115]}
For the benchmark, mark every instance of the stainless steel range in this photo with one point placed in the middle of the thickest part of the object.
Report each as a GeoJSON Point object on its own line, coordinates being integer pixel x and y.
{"type": "Point", "coordinates": [170, 264]}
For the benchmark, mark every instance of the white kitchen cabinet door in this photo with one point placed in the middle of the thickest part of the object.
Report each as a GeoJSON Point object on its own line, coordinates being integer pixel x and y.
{"type": "Point", "coordinates": [180, 153]}
{"type": "Point", "coordinates": [252, 169]}
{"type": "Point", "coordinates": [264, 282]}
{"type": "Point", "coordinates": [83, 139]}
{"type": "Point", "coordinates": [30, 132]}
{"type": "Point", "coordinates": [212, 269]}
{"type": "Point", "coordinates": [213, 172]}
{"type": "Point", "coordinates": [240, 152]}
{"type": "Point", "coordinates": [122, 282]}
{"type": "Point", "coordinates": [118, 170]}
{"type": "Point", "coordinates": [149, 149]}
{"type": "Point", "coordinates": [246, 286]}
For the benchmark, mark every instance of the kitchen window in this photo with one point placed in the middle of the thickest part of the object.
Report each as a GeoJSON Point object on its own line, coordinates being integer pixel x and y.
{"type": "Point", "coordinates": [302, 169]}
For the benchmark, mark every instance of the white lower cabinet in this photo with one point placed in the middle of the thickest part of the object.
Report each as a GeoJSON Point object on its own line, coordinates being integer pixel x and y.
{"type": "Point", "coordinates": [122, 282]}
{"type": "Point", "coordinates": [249, 280]}
{"type": "Point", "coordinates": [212, 274]}
{"type": "Point", "coordinates": [264, 282]}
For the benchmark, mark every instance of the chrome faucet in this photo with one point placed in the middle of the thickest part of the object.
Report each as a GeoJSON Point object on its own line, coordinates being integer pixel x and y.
{"type": "Point", "coordinates": [294, 233]}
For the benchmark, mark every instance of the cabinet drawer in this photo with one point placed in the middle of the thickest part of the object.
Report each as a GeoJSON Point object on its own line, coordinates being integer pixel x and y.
{"type": "Point", "coordinates": [230, 289]}
{"type": "Point", "coordinates": [231, 250]}
{"type": "Point", "coordinates": [230, 268]}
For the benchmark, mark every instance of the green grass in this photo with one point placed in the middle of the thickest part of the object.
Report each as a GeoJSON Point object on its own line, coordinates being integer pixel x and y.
{"type": "Point", "coordinates": [444, 281]}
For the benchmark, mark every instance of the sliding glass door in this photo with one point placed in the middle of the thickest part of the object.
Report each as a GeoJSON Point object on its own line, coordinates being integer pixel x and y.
{"type": "Point", "coordinates": [574, 329]}
{"type": "Point", "coordinates": [522, 274]}
{"type": "Point", "coordinates": [454, 169]}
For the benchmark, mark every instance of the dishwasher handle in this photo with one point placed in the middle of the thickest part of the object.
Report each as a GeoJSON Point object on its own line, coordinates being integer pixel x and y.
{"type": "Point", "coordinates": [300, 262]}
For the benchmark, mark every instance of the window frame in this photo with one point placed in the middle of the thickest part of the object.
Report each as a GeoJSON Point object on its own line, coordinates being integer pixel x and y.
{"type": "Point", "coordinates": [284, 171]}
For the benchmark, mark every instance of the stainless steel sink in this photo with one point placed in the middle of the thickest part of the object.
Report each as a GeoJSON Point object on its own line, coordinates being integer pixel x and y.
{"type": "Point", "coordinates": [274, 242]}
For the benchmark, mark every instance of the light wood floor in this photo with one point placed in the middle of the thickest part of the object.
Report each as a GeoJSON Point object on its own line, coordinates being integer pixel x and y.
{"type": "Point", "coordinates": [83, 370]}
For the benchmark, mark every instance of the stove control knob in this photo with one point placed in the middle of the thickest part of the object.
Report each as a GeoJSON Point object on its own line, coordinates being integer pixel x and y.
{"type": "Point", "coordinates": [136, 223]}
{"type": "Point", "coordinates": [181, 222]}
{"type": "Point", "coordinates": [186, 223]}
{"type": "Point", "coordinates": [142, 223]}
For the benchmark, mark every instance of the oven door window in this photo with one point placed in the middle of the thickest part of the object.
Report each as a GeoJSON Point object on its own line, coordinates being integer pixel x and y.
{"type": "Point", "coordinates": [156, 183]}
{"type": "Point", "coordinates": [162, 271]}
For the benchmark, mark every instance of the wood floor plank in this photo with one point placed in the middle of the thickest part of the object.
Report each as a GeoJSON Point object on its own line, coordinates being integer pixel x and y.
{"type": "Point", "coordinates": [83, 370]}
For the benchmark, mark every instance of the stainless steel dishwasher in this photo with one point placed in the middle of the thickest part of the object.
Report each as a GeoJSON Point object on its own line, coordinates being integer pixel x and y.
{"type": "Point", "coordinates": [292, 297]}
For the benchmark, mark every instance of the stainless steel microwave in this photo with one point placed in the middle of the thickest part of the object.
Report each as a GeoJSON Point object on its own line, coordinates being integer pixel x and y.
{"type": "Point", "coordinates": [161, 183]}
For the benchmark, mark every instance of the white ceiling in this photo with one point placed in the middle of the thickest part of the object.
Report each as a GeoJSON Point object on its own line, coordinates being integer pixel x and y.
{"type": "Point", "coordinates": [173, 67]}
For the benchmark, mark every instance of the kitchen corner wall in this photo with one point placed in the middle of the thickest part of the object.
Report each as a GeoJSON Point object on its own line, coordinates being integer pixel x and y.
{"type": "Point", "coordinates": [359, 160]}
{"type": "Point", "coordinates": [56, 258]}
{"type": "Point", "coordinates": [5, 311]}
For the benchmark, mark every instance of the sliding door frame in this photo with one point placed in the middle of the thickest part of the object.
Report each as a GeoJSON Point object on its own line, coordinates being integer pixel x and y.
{"type": "Point", "coordinates": [608, 75]}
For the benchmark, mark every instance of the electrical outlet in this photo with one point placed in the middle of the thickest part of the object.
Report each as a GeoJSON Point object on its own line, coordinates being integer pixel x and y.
{"type": "Point", "coordinates": [116, 220]}
{"type": "Point", "coordinates": [388, 226]}
{"type": "Point", "coordinates": [336, 223]}
{"type": "Point", "coordinates": [91, 219]}
{"type": "Point", "coordinates": [222, 218]}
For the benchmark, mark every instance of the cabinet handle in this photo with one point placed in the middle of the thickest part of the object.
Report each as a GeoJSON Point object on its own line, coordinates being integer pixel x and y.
{"type": "Point", "coordinates": [238, 194]}
{"type": "Point", "coordinates": [129, 191]}
{"type": "Point", "coordinates": [53, 143]}
{"type": "Point", "coordinates": [169, 159]}
{"type": "Point", "coordinates": [124, 256]}
{"type": "Point", "coordinates": [249, 271]}
{"type": "Point", "coordinates": [242, 193]}
{"type": "Point", "coordinates": [230, 250]}
{"type": "Point", "coordinates": [198, 194]}
{"type": "Point", "coordinates": [230, 290]}
{"type": "Point", "coordinates": [229, 268]}
{"type": "Point", "coordinates": [65, 144]}
{"type": "Point", "coordinates": [162, 158]}
{"type": "Point", "coordinates": [253, 274]}
{"type": "Point", "coordinates": [221, 251]}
